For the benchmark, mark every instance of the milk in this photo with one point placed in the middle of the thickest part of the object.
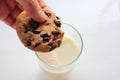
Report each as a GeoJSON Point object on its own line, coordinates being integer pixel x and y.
{"type": "Point", "coordinates": [61, 56]}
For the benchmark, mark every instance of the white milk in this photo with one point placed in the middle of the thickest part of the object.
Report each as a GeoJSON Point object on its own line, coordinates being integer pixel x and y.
{"type": "Point", "coordinates": [65, 54]}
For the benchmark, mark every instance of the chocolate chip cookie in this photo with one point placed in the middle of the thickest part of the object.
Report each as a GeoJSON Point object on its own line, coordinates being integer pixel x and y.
{"type": "Point", "coordinates": [40, 36]}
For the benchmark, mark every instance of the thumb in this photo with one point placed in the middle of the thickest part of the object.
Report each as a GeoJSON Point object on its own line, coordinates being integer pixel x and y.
{"type": "Point", "coordinates": [33, 9]}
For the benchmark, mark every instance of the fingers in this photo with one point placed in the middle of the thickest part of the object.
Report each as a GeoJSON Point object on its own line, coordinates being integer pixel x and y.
{"type": "Point", "coordinates": [11, 4]}
{"type": "Point", "coordinates": [42, 3]}
{"type": "Point", "coordinates": [34, 9]}
{"type": "Point", "coordinates": [20, 7]}
{"type": "Point", "coordinates": [16, 12]}
{"type": "Point", "coordinates": [9, 20]}
{"type": "Point", "coordinates": [5, 14]}
{"type": "Point", "coordinates": [9, 11]}
{"type": "Point", "coordinates": [11, 17]}
{"type": "Point", "coordinates": [4, 11]}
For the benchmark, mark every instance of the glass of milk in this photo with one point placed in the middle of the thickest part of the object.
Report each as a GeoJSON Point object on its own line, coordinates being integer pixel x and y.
{"type": "Point", "coordinates": [63, 58]}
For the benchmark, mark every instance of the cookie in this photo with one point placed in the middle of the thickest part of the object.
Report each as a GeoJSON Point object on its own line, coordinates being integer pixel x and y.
{"type": "Point", "coordinates": [40, 36]}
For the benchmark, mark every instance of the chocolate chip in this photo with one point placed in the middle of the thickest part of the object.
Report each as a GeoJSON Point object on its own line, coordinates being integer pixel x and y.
{"type": "Point", "coordinates": [48, 14]}
{"type": "Point", "coordinates": [35, 32]}
{"type": "Point", "coordinates": [54, 38]}
{"type": "Point", "coordinates": [57, 17]}
{"type": "Point", "coordinates": [28, 42]}
{"type": "Point", "coordinates": [52, 48]}
{"type": "Point", "coordinates": [33, 24]}
{"type": "Point", "coordinates": [36, 45]}
{"type": "Point", "coordinates": [55, 33]}
{"type": "Point", "coordinates": [57, 23]}
{"type": "Point", "coordinates": [45, 37]}
{"type": "Point", "coordinates": [50, 44]}
{"type": "Point", "coordinates": [25, 29]}
{"type": "Point", "coordinates": [59, 42]}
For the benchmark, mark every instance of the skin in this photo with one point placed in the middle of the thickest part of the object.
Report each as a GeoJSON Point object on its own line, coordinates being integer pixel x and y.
{"type": "Point", "coordinates": [10, 9]}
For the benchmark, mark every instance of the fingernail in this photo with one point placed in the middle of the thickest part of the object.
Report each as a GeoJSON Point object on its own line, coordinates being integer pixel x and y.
{"type": "Point", "coordinates": [42, 16]}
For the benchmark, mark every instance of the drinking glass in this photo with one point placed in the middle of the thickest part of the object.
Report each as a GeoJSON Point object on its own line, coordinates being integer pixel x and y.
{"type": "Point", "coordinates": [63, 67]}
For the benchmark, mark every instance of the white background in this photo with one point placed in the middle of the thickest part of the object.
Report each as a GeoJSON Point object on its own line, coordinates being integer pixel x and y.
{"type": "Point", "coordinates": [98, 21]}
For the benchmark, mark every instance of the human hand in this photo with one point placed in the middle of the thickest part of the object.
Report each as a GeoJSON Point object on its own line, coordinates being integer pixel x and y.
{"type": "Point", "coordinates": [10, 9]}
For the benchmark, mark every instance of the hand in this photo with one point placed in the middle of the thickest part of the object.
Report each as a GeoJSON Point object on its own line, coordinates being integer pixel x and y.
{"type": "Point", "coordinates": [10, 9]}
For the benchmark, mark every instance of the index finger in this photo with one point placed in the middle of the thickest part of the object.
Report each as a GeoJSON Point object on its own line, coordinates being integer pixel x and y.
{"type": "Point", "coordinates": [33, 8]}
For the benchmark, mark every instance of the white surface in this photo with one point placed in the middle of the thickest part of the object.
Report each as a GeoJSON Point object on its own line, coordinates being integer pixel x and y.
{"type": "Point", "coordinates": [99, 24]}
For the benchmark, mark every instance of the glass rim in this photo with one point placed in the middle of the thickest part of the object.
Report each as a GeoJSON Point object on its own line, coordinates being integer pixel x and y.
{"type": "Point", "coordinates": [57, 66]}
